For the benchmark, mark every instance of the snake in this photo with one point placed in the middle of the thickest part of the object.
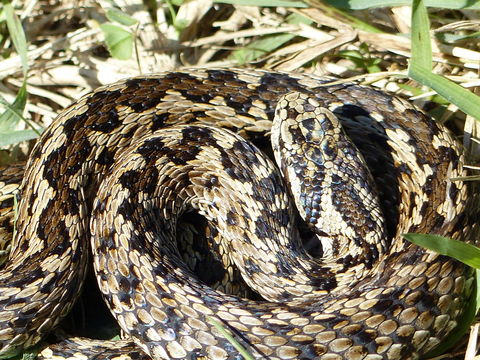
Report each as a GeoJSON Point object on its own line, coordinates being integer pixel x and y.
{"type": "Point", "coordinates": [116, 171]}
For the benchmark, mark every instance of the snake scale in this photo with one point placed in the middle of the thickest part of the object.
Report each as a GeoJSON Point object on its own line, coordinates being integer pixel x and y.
{"type": "Point", "coordinates": [119, 167]}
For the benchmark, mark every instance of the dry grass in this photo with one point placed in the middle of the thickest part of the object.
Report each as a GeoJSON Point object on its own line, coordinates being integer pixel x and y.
{"type": "Point", "coordinates": [68, 57]}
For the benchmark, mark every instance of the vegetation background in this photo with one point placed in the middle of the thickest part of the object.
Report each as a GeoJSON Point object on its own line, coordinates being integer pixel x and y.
{"type": "Point", "coordinates": [53, 52]}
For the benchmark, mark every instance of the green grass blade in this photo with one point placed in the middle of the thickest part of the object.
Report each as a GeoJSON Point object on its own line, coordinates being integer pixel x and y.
{"type": "Point", "coordinates": [421, 65]}
{"type": "Point", "coordinates": [421, 44]}
{"type": "Point", "coordinates": [362, 4]}
{"type": "Point", "coordinates": [13, 112]}
{"type": "Point", "coordinates": [452, 38]}
{"type": "Point", "coordinates": [467, 101]}
{"type": "Point", "coordinates": [17, 35]}
{"type": "Point", "coordinates": [477, 293]}
{"type": "Point", "coordinates": [231, 339]}
{"type": "Point", "coordinates": [118, 16]}
{"type": "Point", "coordinates": [466, 253]}
{"type": "Point", "coordinates": [14, 137]}
{"type": "Point", "coordinates": [265, 3]}
{"type": "Point", "coordinates": [359, 4]}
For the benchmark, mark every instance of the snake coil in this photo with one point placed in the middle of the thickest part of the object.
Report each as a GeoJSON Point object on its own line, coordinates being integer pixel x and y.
{"type": "Point", "coordinates": [119, 167]}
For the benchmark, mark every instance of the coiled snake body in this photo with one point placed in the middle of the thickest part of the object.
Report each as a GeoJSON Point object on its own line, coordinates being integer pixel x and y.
{"type": "Point", "coordinates": [118, 167]}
